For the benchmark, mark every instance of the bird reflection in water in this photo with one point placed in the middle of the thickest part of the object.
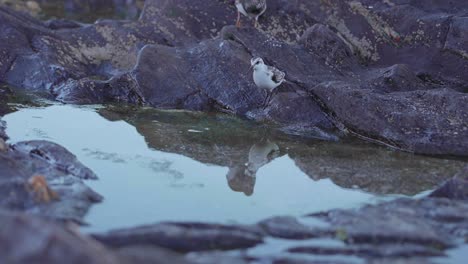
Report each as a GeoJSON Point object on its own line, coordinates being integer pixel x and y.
{"type": "Point", "coordinates": [241, 178]}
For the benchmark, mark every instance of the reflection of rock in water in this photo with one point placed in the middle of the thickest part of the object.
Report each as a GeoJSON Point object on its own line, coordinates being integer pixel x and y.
{"type": "Point", "coordinates": [242, 178]}
{"type": "Point", "coordinates": [233, 143]}
{"type": "Point", "coordinates": [373, 169]}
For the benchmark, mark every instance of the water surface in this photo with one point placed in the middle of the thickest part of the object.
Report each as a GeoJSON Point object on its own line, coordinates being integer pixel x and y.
{"type": "Point", "coordinates": [183, 166]}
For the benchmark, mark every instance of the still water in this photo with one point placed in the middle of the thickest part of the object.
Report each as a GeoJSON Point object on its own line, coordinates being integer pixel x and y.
{"type": "Point", "coordinates": [182, 166]}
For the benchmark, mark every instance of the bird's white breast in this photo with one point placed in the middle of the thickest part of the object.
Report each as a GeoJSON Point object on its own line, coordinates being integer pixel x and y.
{"type": "Point", "coordinates": [241, 9]}
{"type": "Point", "coordinates": [262, 79]}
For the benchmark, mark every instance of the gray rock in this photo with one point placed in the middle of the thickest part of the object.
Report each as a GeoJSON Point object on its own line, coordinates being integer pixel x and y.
{"type": "Point", "coordinates": [28, 239]}
{"type": "Point", "coordinates": [142, 254]}
{"type": "Point", "coordinates": [57, 156]}
{"type": "Point", "coordinates": [3, 135]}
{"type": "Point", "coordinates": [60, 169]}
{"type": "Point", "coordinates": [184, 237]}
{"type": "Point", "coordinates": [367, 68]}
{"type": "Point", "coordinates": [426, 222]}
{"type": "Point", "coordinates": [290, 228]}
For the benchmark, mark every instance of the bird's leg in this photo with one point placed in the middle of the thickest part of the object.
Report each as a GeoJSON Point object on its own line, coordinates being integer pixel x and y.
{"type": "Point", "coordinates": [256, 22]}
{"type": "Point", "coordinates": [238, 23]}
{"type": "Point", "coordinates": [267, 100]}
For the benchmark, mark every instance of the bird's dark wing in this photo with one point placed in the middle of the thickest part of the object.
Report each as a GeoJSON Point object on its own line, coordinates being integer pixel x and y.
{"type": "Point", "coordinates": [255, 6]}
{"type": "Point", "coordinates": [278, 76]}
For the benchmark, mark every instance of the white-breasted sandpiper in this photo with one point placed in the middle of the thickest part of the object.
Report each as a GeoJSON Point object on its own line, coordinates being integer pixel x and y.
{"type": "Point", "coordinates": [266, 77]}
{"type": "Point", "coordinates": [250, 8]}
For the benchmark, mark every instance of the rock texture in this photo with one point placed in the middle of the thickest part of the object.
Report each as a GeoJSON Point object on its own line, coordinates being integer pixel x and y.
{"type": "Point", "coordinates": [185, 237]}
{"type": "Point", "coordinates": [27, 239]}
{"type": "Point", "coordinates": [63, 174]}
{"type": "Point", "coordinates": [389, 72]}
{"type": "Point", "coordinates": [30, 239]}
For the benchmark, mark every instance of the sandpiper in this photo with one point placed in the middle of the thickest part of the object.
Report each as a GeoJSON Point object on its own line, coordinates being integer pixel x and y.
{"type": "Point", "coordinates": [266, 77]}
{"type": "Point", "coordinates": [250, 8]}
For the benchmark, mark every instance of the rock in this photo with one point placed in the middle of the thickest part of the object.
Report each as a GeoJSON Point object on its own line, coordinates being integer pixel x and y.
{"type": "Point", "coordinates": [431, 122]}
{"type": "Point", "coordinates": [30, 7]}
{"type": "Point", "coordinates": [423, 222]}
{"type": "Point", "coordinates": [321, 41]}
{"type": "Point", "coordinates": [397, 78]}
{"type": "Point", "coordinates": [455, 188]}
{"type": "Point", "coordinates": [457, 40]}
{"type": "Point", "coordinates": [191, 20]}
{"type": "Point", "coordinates": [150, 255]}
{"type": "Point", "coordinates": [3, 135]}
{"type": "Point", "coordinates": [364, 67]}
{"type": "Point", "coordinates": [184, 237]}
{"type": "Point", "coordinates": [57, 156]}
{"type": "Point", "coordinates": [289, 228]}
{"type": "Point", "coordinates": [376, 251]}
{"type": "Point", "coordinates": [61, 24]}
{"type": "Point", "coordinates": [61, 171]}
{"type": "Point", "coordinates": [403, 230]}
{"type": "Point", "coordinates": [3, 145]}
{"type": "Point", "coordinates": [28, 239]}
{"type": "Point", "coordinates": [5, 95]}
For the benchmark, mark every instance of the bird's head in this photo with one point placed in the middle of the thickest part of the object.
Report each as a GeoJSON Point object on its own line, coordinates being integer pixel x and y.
{"type": "Point", "coordinates": [256, 61]}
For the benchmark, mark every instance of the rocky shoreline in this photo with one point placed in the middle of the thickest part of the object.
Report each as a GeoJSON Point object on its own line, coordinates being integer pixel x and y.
{"type": "Point", "coordinates": [392, 72]}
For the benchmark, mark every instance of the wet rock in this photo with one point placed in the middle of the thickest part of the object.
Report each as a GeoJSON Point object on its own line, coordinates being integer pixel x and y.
{"type": "Point", "coordinates": [185, 237]}
{"type": "Point", "coordinates": [368, 68]}
{"type": "Point", "coordinates": [28, 239]}
{"type": "Point", "coordinates": [61, 24]}
{"type": "Point", "coordinates": [3, 145]}
{"type": "Point", "coordinates": [426, 222]}
{"type": "Point", "coordinates": [57, 156]}
{"type": "Point", "coordinates": [2, 130]}
{"type": "Point", "coordinates": [61, 173]}
{"type": "Point", "coordinates": [376, 251]}
{"type": "Point", "coordinates": [5, 95]}
{"type": "Point", "coordinates": [400, 231]}
{"type": "Point", "coordinates": [150, 255]}
{"type": "Point", "coordinates": [431, 122]}
{"type": "Point", "coordinates": [218, 258]}
{"type": "Point", "coordinates": [290, 228]}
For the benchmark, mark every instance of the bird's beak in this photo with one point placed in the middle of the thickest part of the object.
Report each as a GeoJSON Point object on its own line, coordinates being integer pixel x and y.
{"type": "Point", "coordinates": [250, 68]}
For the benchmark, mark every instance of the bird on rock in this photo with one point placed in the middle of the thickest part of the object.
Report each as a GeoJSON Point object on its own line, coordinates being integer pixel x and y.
{"type": "Point", "coordinates": [250, 8]}
{"type": "Point", "coordinates": [266, 77]}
